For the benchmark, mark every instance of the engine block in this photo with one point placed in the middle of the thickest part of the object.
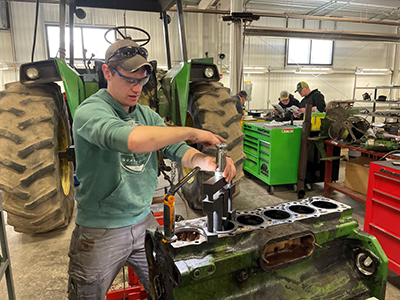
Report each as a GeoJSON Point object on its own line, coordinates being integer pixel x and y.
{"type": "Point", "coordinates": [307, 249]}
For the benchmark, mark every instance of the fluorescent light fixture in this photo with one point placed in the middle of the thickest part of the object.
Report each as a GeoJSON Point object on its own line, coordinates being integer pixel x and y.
{"type": "Point", "coordinates": [257, 71]}
{"type": "Point", "coordinates": [313, 70]}
{"type": "Point", "coordinates": [254, 72]}
{"type": "Point", "coordinates": [254, 68]}
{"type": "Point", "coordinates": [362, 71]}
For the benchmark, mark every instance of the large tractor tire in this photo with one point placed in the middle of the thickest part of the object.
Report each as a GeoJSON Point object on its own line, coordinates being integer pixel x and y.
{"type": "Point", "coordinates": [37, 186]}
{"type": "Point", "coordinates": [213, 109]}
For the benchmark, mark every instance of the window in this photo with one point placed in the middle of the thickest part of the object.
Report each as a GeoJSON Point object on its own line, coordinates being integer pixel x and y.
{"type": "Point", "coordinates": [93, 41]}
{"type": "Point", "coordinates": [309, 52]}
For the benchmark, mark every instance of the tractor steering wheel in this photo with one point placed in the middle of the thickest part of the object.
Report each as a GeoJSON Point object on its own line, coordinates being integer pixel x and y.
{"type": "Point", "coordinates": [141, 42]}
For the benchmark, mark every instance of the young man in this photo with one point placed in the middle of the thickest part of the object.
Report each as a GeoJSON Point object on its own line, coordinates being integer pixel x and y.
{"type": "Point", "coordinates": [241, 98]}
{"type": "Point", "coordinates": [315, 97]}
{"type": "Point", "coordinates": [116, 140]}
{"type": "Point", "coordinates": [287, 100]}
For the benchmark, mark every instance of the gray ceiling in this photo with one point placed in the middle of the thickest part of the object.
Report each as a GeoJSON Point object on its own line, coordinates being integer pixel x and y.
{"type": "Point", "coordinates": [364, 9]}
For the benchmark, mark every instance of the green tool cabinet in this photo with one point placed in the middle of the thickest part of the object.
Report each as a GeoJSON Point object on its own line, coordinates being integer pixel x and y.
{"type": "Point", "coordinates": [272, 153]}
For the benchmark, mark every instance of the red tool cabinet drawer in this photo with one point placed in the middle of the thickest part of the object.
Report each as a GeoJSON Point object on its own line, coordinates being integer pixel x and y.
{"type": "Point", "coordinates": [386, 216]}
{"type": "Point", "coordinates": [382, 212]}
{"type": "Point", "coordinates": [386, 182]}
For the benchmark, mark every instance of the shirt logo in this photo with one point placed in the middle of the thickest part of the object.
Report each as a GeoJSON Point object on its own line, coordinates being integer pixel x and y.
{"type": "Point", "coordinates": [134, 162]}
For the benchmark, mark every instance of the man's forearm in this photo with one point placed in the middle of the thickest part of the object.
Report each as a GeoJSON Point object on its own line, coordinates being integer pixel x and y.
{"type": "Point", "coordinates": [144, 139]}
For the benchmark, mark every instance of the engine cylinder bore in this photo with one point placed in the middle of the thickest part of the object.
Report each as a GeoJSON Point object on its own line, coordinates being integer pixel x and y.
{"type": "Point", "coordinates": [302, 209]}
{"type": "Point", "coordinates": [279, 253]}
{"type": "Point", "coordinates": [324, 204]}
{"type": "Point", "coordinates": [227, 227]}
{"type": "Point", "coordinates": [277, 214]}
{"type": "Point", "coordinates": [188, 234]}
{"type": "Point", "coordinates": [250, 220]}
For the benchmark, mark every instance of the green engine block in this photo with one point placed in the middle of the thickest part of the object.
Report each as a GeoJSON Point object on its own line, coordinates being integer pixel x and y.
{"type": "Point", "coordinates": [308, 249]}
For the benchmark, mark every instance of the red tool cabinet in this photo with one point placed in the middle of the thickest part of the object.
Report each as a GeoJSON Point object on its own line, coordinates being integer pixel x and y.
{"type": "Point", "coordinates": [382, 212]}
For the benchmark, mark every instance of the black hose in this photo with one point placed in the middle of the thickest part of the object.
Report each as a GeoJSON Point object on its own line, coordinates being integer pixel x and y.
{"type": "Point", "coordinates": [35, 30]}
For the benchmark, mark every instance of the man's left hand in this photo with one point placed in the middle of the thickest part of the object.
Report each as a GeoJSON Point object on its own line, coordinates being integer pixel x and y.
{"type": "Point", "coordinates": [302, 110]}
{"type": "Point", "coordinates": [230, 170]}
{"type": "Point", "coordinates": [209, 164]}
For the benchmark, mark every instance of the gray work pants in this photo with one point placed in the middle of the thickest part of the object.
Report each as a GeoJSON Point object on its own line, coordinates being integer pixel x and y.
{"type": "Point", "coordinates": [96, 256]}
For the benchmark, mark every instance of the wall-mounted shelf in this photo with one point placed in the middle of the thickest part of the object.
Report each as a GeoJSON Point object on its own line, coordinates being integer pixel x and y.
{"type": "Point", "coordinates": [374, 102]}
{"type": "Point", "coordinates": [377, 101]}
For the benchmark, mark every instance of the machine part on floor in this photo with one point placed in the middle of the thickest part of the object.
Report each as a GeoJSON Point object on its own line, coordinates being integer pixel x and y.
{"type": "Point", "coordinates": [308, 249]}
{"type": "Point", "coordinates": [37, 183]}
{"type": "Point", "coordinates": [212, 108]}
{"type": "Point", "coordinates": [169, 206]}
{"type": "Point", "coordinates": [346, 127]}
{"type": "Point", "coordinates": [302, 169]}
{"type": "Point", "coordinates": [134, 290]}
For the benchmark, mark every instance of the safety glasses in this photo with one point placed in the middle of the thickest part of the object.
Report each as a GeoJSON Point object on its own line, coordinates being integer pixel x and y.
{"type": "Point", "coordinates": [130, 81]}
{"type": "Point", "coordinates": [129, 51]}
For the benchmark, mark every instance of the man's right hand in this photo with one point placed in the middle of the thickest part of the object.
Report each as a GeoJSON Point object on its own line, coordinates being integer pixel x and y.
{"type": "Point", "coordinates": [302, 110]}
{"type": "Point", "coordinates": [206, 138]}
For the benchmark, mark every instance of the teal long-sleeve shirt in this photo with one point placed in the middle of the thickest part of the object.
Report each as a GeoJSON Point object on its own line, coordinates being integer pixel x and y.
{"type": "Point", "coordinates": [116, 186]}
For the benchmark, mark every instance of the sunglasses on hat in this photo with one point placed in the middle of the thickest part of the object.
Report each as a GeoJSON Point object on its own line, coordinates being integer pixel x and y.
{"type": "Point", "coordinates": [129, 51]}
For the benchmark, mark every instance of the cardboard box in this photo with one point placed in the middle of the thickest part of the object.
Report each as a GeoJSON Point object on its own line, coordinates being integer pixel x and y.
{"type": "Point", "coordinates": [356, 176]}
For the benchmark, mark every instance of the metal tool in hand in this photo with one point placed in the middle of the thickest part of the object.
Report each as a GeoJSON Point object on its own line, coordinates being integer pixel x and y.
{"type": "Point", "coordinates": [221, 158]}
{"type": "Point", "coordinates": [169, 206]}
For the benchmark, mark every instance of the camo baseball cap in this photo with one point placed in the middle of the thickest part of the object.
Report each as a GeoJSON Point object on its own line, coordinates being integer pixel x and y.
{"type": "Point", "coordinates": [300, 86]}
{"type": "Point", "coordinates": [128, 55]}
{"type": "Point", "coordinates": [284, 95]}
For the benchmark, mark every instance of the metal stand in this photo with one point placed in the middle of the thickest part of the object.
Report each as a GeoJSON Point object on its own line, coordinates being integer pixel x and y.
{"type": "Point", "coordinates": [5, 266]}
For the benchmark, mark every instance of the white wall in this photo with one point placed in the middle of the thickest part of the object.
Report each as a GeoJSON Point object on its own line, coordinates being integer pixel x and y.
{"type": "Point", "coordinates": [207, 33]}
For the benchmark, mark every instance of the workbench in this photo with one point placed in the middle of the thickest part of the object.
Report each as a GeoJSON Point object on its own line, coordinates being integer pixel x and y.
{"type": "Point", "coordinates": [340, 187]}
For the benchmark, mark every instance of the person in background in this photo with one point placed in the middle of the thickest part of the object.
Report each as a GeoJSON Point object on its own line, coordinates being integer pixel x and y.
{"type": "Point", "coordinates": [287, 100]}
{"type": "Point", "coordinates": [241, 98]}
{"type": "Point", "coordinates": [315, 97]}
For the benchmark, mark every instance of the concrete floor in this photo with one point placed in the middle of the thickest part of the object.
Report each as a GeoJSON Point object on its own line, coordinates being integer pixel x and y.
{"type": "Point", "coordinates": [40, 262]}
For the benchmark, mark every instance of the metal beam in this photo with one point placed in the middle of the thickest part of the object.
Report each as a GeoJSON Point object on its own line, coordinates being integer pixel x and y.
{"type": "Point", "coordinates": [320, 34]}
{"type": "Point", "coordinates": [321, 8]}
{"type": "Point", "coordinates": [203, 4]}
{"type": "Point", "coordinates": [181, 29]}
{"type": "Point", "coordinates": [236, 49]}
{"type": "Point", "coordinates": [62, 49]}
{"type": "Point", "coordinates": [292, 16]}
{"type": "Point", "coordinates": [338, 8]}
{"type": "Point", "coordinates": [164, 18]}
{"type": "Point", "coordinates": [71, 24]}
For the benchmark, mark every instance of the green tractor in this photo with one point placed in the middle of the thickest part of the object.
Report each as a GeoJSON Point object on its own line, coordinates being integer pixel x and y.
{"type": "Point", "coordinates": [36, 169]}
